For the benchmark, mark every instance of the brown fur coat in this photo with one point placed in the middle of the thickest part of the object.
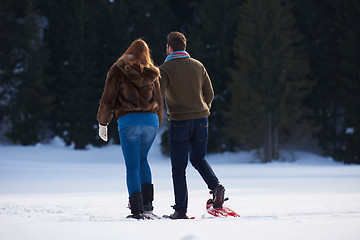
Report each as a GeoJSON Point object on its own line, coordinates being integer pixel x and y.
{"type": "Point", "coordinates": [130, 89]}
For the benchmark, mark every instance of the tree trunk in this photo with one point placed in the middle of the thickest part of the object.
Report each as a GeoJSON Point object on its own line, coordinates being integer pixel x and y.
{"type": "Point", "coordinates": [275, 146]}
{"type": "Point", "coordinates": [271, 146]}
{"type": "Point", "coordinates": [268, 140]}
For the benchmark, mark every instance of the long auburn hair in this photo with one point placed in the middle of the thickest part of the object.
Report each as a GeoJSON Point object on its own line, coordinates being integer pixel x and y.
{"type": "Point", "coordinates": [137, 53]}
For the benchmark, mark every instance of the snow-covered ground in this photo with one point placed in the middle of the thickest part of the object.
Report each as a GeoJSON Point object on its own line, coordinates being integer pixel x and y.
{"type": "Point", "coordinates": [52, 192]}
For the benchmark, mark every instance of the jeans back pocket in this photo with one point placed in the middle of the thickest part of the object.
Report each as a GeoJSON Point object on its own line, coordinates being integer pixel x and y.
{"type": "Point", "coordinates": [203, 132]}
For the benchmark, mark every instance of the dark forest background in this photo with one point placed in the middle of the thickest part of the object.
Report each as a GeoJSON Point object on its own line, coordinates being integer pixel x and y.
{"type": "Point", "coordinates": [286, 73]}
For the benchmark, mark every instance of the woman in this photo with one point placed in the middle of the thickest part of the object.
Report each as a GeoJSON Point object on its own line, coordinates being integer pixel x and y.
{"type": "Point", "coordinates": [132, 91]}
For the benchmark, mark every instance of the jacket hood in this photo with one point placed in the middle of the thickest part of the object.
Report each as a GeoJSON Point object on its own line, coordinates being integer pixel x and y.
{"type": "Point", "coordinates": [138, 77]}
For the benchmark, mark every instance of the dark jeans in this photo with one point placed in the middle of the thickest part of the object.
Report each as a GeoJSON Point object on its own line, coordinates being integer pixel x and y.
{"type": "Point", "coordinates": [189, 136]}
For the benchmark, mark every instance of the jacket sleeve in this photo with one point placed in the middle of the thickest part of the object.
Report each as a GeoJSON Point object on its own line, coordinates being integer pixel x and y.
{"type": "Point", "coordinates": [163, 81]}
{"type": "Point", "coordinates": [207, 89]}
{"type": "Point", "coordinates": [159, 100]}
{"type": "Point", "coordinates": [108, 99]}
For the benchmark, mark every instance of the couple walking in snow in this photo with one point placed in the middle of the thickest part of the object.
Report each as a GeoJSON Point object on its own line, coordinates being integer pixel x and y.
{"type": "Point", "coordinates": [134, 90]}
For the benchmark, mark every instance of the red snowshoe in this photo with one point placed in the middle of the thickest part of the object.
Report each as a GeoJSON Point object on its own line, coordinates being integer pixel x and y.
{"type": "Point", "coordinates": [224, 211]}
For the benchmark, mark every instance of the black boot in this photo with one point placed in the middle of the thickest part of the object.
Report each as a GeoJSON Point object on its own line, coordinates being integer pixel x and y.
{"type": "Point", "coordinates": [136, 206]}
{"type": "Point", "coordinates": [147, 191]}
{"type": "Point", "coordinates": [218, 196]}
{"type": "Point", "coordinates": [178, 215]}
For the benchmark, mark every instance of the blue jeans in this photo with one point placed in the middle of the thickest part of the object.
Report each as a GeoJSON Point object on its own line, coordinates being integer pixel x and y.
{"type": "Point", "coordinates": [135, 143]}
{"type": "Point", "coordinates": [189, 136]}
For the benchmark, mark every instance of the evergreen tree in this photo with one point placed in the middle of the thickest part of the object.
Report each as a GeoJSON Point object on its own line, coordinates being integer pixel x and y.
{"type": "Point", "coordinates": [73, 37]}
{"type": "Point", "coordinates": [30, 104]}
{"type": "Point", "coordinates": [348, 19]}
{"type": "Point", "coordinates": [211, 35]}
{"type": "Point", "coordinates": [81, 77]}
{"type": "Point", "coordinates": [332, 47]}
{"type": "Point", "coordinates": [56, 33]}
{"type": "Point", "coordinates": [12, 15]}
{"type": "Point", "coordinates": [324, 58]}
{"type": "Point", "coordinates": [269, 82]}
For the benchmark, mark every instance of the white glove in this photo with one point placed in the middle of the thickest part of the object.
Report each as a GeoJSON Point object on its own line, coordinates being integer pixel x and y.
{"type": "Point", "coordinates": [103, 132]}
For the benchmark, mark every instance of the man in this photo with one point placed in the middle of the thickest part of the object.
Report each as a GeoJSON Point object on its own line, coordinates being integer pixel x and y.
{"type": "Point", "coordinates": [188, 95]}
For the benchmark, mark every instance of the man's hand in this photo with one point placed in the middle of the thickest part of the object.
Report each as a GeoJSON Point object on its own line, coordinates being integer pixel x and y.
{"type": "Point", "coordinates": [103, 132]}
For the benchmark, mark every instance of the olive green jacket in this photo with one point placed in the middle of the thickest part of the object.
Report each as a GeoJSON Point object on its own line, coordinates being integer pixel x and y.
{"type": "Point", "coordinates": [187, 89]}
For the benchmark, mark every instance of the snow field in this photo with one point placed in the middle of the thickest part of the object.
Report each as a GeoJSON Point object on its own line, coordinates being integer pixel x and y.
{"type": "Point", "coordinates": [52, 192]}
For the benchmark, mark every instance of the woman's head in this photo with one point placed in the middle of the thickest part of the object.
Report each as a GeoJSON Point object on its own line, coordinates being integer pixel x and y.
{"type": "Point", "coordinates": [138, 52]}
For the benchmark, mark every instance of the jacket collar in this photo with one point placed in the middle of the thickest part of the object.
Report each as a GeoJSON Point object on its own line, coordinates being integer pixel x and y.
{"type": "Point", "coordinates": [140, 78]}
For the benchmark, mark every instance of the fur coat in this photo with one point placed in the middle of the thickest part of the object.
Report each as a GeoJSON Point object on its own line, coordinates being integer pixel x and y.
{"type": "Point", "coordinates": [130, 89]}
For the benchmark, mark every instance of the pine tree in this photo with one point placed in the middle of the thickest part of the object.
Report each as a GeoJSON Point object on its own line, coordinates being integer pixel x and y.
{"type": "Point", "coordinates": [73, 37]}
{"type": "Point", "coordinates": [332, 47]}
{"type": "Point", "coordinates": [348, 19]}
{"type": "Point", "coordinates": [211, 35]}
{"type": "Point", "coordinates": [80, 86]}
{"type": "Point", "coordinates": [324, 58]}
{"type": "Point", "coordinates": [269, 82]}
{"type": "Point", "coordinates": [11, 55]}
{"type": "Point", "coordinates": [31, 103]}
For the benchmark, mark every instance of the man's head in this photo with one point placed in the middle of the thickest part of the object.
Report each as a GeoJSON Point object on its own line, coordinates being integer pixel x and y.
{"type": "Point", "coordinates": [176, 41]}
